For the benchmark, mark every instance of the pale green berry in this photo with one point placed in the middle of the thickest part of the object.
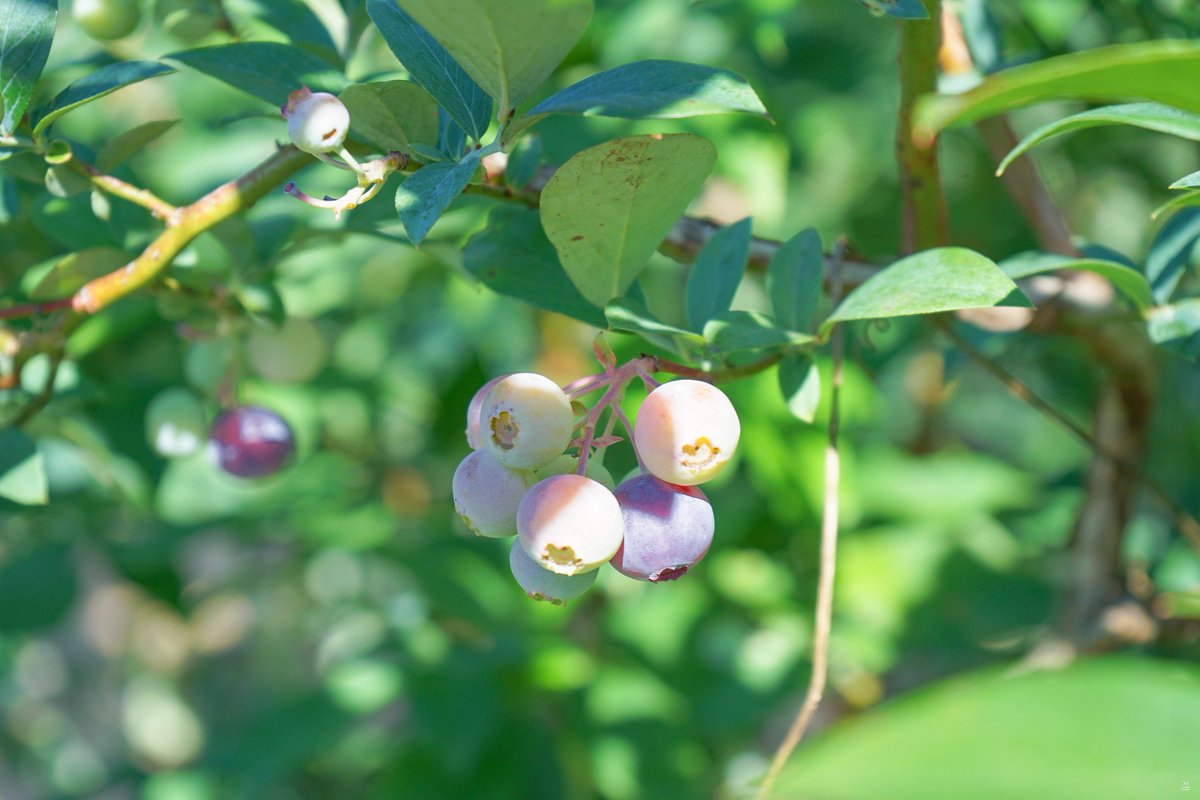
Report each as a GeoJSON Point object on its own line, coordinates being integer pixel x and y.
{"type": "Point", "coordinates": [487, 494]}
{"type": "Point", "coordinates": [317, 122]}
{"type": "Point", "coordinates": [526, 420]}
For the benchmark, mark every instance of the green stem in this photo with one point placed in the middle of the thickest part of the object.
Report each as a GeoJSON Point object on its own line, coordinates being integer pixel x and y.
{"type": "Point", "coordinates": [924, 209]}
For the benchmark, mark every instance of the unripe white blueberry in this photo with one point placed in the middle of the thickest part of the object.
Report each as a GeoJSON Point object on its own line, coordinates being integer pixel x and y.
{"type": "Point", "coordinates": [542, 584]}
{"type": "Point", "coordinates": [526, 420]}
{"type": "Point", "coordinates": [487, 494]}
{"type": "Point", "coordinates": [686, 432]}
{"type": "Point", "coordinates": [475, 409]}
{"type": "Point", "coordinates": [317, 122]}
{"type": "Point", "coordinates": [570, 524]}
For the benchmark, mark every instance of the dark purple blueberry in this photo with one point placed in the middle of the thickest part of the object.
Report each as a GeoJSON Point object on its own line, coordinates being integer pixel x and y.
{"type": "Point", "coordinates": [250, 442]}
{"type": "Point", "coordinates": [668, 528]}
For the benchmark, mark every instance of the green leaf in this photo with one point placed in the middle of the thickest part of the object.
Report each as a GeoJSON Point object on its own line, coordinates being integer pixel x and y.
{"type": "Point", "coordinates": [942, 279]}
{"type": "Point", "coordinates": [800, 385]}
{"type": "Point", "coordinates": [739, 331]}
{"type": "Point", "coordinates": [22, 471]}
{"type": "Point", "coordinates": [432, 67]}
{"type": "Point", "coordinates": [653, 90]}
{"type": "Point", "coordinates": [795, 278]}
{"type": "Point", "coordinates": [1171, 252]}
{"type": "Point", "coordinates": [1163, 71]}
{"type": "Point", "coordinates": [716, 273]}
{"type": "Point", "coordinates": [1177, 327]}
{"type": "Point", "coordinates": [428, 192]}
{"type": "Point", "coordinates": [37, 589]}
{"type": "Point", "coordinates": [900, 9]}
{"type": "Point", "coordinates": [609, 207]}
{"type": "Point", "coordinates": [1175, 203]}
{"type": "Point", "coordinates": [293, 18]}
{"type": "Point", "coordinates": [391, 115]}
{"type": "Point", "coordinates": [125, 145]}
{"type": "Point", "coordinates": [26, 30]}
{"type": "Point", "coordinates": [1191, 181]}
{"type": "Point", "coordinates": [513, 257]}
{"type": "Point", "coordinates": [95, 85]}
{"type": "Point", "coordinates": [1100, 728]}
{"type": "Point", "coordinates": [1151, 116]}
{"type": "Point", "coordinates": [630, 316]}
{"type": "Point", "coordinates": [1126, 280]}
{"type": "Point", "coordinates": [71, 272]}
{"type": "Point", "coordinates": [268, 70]}
{"type": "Point", "coordinates": [509, 47]}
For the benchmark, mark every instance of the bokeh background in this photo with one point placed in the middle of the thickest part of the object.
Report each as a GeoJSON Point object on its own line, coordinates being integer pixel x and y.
{"type": "Point", "coordinates": [167, 633]}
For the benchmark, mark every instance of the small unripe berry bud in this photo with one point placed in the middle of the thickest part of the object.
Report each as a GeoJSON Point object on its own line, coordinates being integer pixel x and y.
{"type": "Point", "coordinates": [317, 122]}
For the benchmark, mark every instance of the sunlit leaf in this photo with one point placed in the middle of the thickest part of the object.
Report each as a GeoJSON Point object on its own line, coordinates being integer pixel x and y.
{"type": "Point", "coordinates": [26, 30]}
{"type": "Point", "coordinates": [95, 85]}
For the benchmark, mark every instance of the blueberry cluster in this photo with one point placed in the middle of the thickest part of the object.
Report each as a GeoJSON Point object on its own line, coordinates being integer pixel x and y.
{"type": "Point", "coordinates": [568, 521]}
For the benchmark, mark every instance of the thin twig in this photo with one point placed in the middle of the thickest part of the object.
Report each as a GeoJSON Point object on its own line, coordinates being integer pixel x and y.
{"type": "Point", "coordinates": [119, 188]}
{"type": "Point", "coordinates": [823, 620]}
{"type": "Point", "coordinates": [39, 400]}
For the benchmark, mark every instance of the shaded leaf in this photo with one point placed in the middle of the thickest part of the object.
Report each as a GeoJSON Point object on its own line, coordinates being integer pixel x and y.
{"type": "Point", "coordinates": [1125, 279]}
{"type": "Point", "coordinates": [795, 278]}
{"type": "Point", "coordinates": [609, 207]}
{"type": "Point", "coordinates": [1175, 203]}
{"type": "Point", "coordinates": [513, 257]}
{"type": "Point", "coordinates": [128, 143]}
{"type": "Point", "coordinates": [293, 18]}
{"type": "Point", "coordinates": [22, 470]}
{"type": "Point", "coordinates": [962, 737]}
{"type": "Point", "coordinates": [1163, 71]}
{"type": "Point", "coordinates": [509, 47]}
{"type": "Point", "coordinates": [653, 90]}
{"type": "Point", "coordinates": [268, 70]}
{"type": "Point", "coordinates": [95, 85]}
{"type": "Point", "coordinates": [942, 279]}
{"type": "Point", "coordinates": [631, 316]}
{"type": "Point", "coordinates": [428, 192]}
{"type": "Point", "coordinates": [800, 385]}
{"type": "Point", "coordinates": [716, 273]}
{"type": "Point", "coordinates": [739, 331]}
{"type": "Point", "coordinates": [1151, 116]}
{"type": "Point", "coordinates": [1177, 327]}
{"type": "Point", "coordinates": [1172, 252]}
{"type": "Point", "coordinates": [434, 68]}
{"type": "Point", "coordinates": [523, 161]}
{"type": "Point", "coordinates": [26, 31]}
{"type": "Point", "coordinates": [391, 115]}
{"type": "Point", "coordinates": [1191, 181]}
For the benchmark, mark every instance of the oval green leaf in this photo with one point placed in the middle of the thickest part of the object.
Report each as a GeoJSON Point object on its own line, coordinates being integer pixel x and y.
{"type": "Point", "coordinates": [507, 46]}
{"type": "Point", "coordinates": [95, 85]}
{"type": "Point", "coordinates": [929, 282]}
{"type": "Point", "coordinates": [1163, 71]}
{"type": "Point", "coordinates": [268, 70]}
{"type": "Point", "coordinates": [1115, 727]}
{"type": "Point", "coordinates": [26, 30]}
{"type": "Point", "coordinates": [1125, 279]}
{"type": "Point", "coordinates": [795, 277]}
{"type": "Point", "coordinates": [609, 207]}
{"type": "Point", "coordinates": [1151, 116]}
{"type": "Point", "coordinates": [391, 115]}
{"type": "Point", "coordinates": [427, 193]}
{"type": "Point", "coordinates": [740, 331]}
{"type": "Point", "coordinates": [716, 273]}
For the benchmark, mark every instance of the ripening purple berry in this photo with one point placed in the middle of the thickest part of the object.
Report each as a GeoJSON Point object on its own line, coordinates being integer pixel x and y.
{"type": "Point", "coordinates": [542, 584]}
{"type": "Point", "coordinates": [250, 442]}
{"type": "Point", "coordinates": [668, 529]}
{"type": "Point", "coordinates": [487, 494]}
{"type": "Point", "coordinates": [569, 524]}
{"type": "Point", "coordinates": [526, 420]}
{"type": "Point", "coordinates": [475, 410]}
{"type": "Point", "coordinates": [686, 432]}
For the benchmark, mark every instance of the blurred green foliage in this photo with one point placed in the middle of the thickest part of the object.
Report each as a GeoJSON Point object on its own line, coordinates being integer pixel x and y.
{"type": "Point", "coordinates": [168, 634]}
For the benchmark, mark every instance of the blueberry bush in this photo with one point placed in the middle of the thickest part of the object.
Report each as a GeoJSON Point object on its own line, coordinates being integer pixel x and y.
{"type": "Point", "coordinates": [599, 398]}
